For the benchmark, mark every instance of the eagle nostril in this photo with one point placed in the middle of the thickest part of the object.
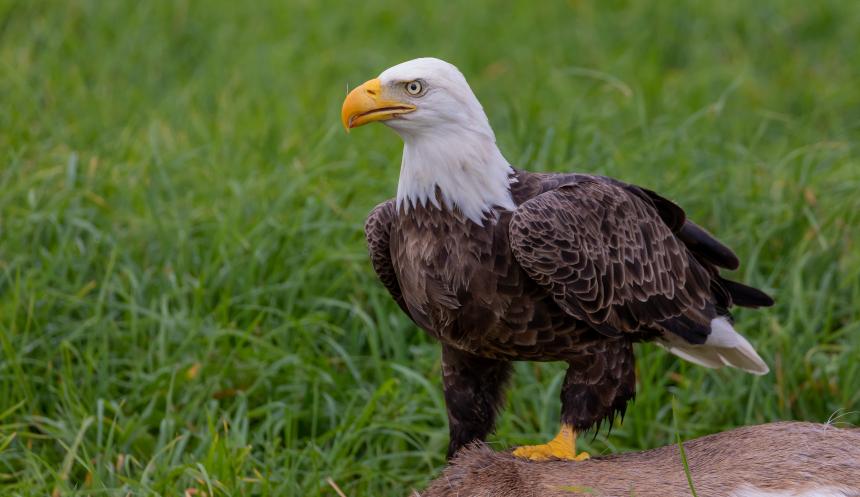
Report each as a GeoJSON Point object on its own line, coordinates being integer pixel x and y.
{"type": "Point", "coordinates": [371, 91]}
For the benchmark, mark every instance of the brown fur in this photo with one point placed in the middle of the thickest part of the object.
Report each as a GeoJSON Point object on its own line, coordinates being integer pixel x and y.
{"type": "Point", "coordinates": [785, 458]}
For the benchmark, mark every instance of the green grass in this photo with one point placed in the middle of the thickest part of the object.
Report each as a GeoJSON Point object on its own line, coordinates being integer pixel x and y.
{"type": "Point", "coordinates": [682, 452]}
{"type": "Point", "coordinates": [185, 298]}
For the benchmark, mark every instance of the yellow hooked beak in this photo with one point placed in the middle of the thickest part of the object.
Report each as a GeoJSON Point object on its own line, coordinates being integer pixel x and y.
{"type": "Point", "coordinates": [365, 104]}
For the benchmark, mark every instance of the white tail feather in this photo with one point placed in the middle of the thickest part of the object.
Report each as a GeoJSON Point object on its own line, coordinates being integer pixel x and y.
{"type": "Point", "coordinates": [724, 347]}
{"type": "Point", "coordinates": [700, 355]}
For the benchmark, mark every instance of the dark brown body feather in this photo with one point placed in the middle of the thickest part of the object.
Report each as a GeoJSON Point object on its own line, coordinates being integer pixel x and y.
{"type": "Point", "coordinates": [584, 267]}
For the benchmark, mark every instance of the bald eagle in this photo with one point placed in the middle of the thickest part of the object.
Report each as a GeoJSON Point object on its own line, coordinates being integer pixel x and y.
{"type": "Point", "coordinates": [501, 265]}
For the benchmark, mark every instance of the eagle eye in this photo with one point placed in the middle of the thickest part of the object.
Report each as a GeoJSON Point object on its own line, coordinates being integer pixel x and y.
{"type": "Point", "coordinates": [414, 88]}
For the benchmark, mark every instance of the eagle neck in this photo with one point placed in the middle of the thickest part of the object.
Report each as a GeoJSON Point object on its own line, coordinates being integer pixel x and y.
{"type": "Point", "coordinates": [462, 170]}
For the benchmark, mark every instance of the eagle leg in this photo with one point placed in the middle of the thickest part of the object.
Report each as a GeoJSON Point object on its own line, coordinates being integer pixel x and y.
{"type": "Point", "coordinates": [473, 395]}
{"type": "Point", "coordinates": [597, 387]}
{"type": "Point", "coordinates": [563, 446]}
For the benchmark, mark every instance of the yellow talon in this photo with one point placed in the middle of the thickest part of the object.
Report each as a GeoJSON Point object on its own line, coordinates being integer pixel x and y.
{"type": "Point", "coordinates": [563, 446]}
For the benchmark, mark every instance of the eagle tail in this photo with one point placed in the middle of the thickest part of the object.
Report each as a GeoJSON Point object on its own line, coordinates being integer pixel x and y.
{"type": "Point", "coordinates": [724, 347]}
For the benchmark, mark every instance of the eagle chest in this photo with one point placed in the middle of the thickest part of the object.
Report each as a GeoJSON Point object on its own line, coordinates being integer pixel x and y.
{"type": "Point", "coordinates": [450, 270]}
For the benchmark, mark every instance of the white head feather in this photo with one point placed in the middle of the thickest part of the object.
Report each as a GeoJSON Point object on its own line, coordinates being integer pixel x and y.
{"type": "Point", "coordinates": [448, 143]}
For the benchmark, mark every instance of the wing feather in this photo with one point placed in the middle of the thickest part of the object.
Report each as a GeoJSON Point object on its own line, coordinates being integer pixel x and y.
{"type": "Point", "coordinates": [611, 259]}
{"type": "Point", "coordinates": [377, 231]}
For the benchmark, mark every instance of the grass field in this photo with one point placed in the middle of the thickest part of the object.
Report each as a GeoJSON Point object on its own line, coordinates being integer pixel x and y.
{"type": "Point", "coordinates": [185, 297]}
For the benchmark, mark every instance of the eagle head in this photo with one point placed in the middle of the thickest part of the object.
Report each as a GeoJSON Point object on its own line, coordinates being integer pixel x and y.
{"type": "Point", "coordinates": [418, 96]}
{"type": "Point", "coordinates": [450, 157]}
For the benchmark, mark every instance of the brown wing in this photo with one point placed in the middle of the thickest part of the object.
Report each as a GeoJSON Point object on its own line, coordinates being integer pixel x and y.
{"type": "Point", "coordinates": [696, 238]}
{"type": "Point", "coordinates": [377, 230]}
{"type": "Point", "coordinates": [611, 260]}
{"type": "Point", "coordinates": [707, 250]}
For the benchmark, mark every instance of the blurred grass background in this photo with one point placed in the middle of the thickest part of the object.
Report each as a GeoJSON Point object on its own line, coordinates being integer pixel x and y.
{"type": "Point", "coordinates": [185, 297]}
